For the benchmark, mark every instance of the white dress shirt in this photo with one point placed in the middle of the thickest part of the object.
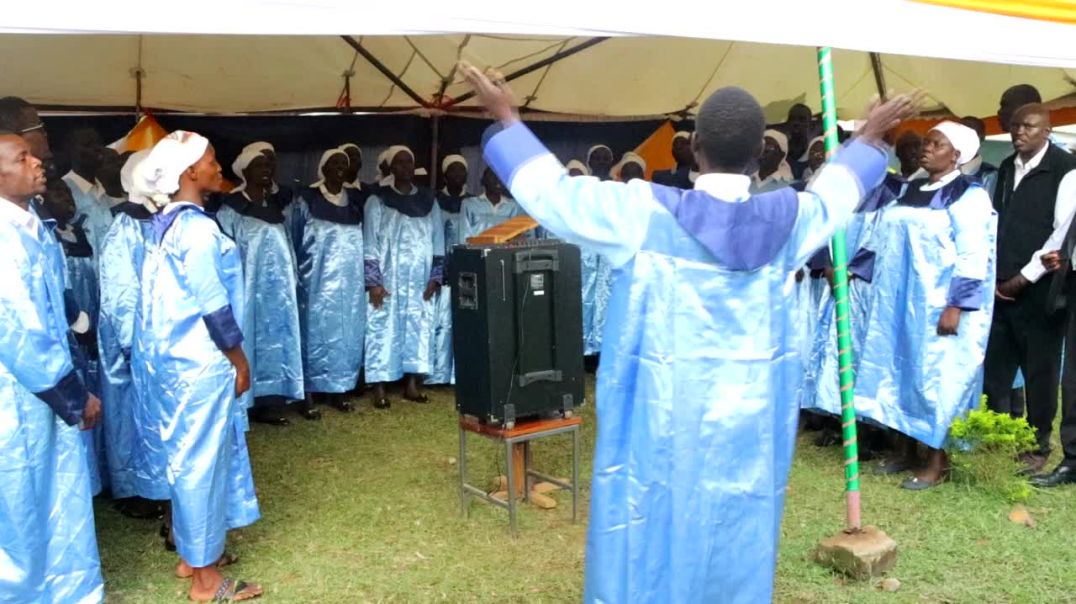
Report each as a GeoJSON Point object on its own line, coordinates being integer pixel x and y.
{"type": "Point", "coordinates": [1064, 208]}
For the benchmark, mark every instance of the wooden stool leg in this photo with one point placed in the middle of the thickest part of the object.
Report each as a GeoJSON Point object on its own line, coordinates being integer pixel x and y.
{"type": "Point", "coordinates": [519, 467]}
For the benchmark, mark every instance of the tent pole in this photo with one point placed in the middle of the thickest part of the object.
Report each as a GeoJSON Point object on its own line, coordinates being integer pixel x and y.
{"type": "Point", "coordinates": [534, 67]}
{"type": "Point", "coordinates": [435, 135]}
{"type": "Point", "coordinates": [385, 71]}
{"type": "Point", "coordinates": [840, 292]}
{"type": "Point", "coordinates": [879, 75]}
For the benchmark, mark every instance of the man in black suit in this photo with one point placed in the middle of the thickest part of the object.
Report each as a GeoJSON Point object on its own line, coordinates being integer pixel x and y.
{"type": "Point", "coordinates": [1035, 199]}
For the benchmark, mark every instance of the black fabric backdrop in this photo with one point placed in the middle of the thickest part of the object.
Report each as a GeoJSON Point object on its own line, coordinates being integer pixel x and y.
{"type": "Point", "coordinates": [300, 140]}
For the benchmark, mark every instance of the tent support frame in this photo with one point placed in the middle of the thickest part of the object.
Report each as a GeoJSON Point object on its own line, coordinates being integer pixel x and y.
{"type": "Point", "coordinates": [385, 71]}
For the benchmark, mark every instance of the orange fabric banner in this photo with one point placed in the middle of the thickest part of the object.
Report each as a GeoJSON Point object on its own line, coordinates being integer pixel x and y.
{"type": "Point", "coordinates": [1063, 11]}
{"type": "Point", "coordinates": [144, 135]}
{"type": "Point", "coordinates": [656, 150]}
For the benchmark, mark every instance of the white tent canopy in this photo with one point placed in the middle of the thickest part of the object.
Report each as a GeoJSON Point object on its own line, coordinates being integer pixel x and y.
{"type": "Point", "coordinates": [293, 56]}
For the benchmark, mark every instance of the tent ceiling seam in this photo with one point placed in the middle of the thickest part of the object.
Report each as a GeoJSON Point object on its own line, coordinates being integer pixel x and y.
{"type": "Point", "coordinates": [709, 80]}
{"type": "Point", "coordinates": [423, 57]}
{"type": "Point", "coordinates": [534, 92]}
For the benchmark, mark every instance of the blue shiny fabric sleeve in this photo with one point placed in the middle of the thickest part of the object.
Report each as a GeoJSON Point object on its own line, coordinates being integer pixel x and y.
{"type": "Point", "coordinates": [371, 237]}
{"type": "Point", "coordinates": [971, 215]}
{"type": "Point", "coordinates": [609, 217]}
{"type": "Point", "coordinates": [31, 348]}
{"type": "Point", "coordinates": [207, 287]}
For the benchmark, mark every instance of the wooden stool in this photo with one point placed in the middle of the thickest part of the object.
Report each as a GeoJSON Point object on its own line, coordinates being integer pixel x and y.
{"type": "Point", "coordinates": [517, 455]}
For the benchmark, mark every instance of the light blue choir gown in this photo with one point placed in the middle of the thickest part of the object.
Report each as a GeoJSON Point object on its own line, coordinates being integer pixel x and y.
{"type": "Point", "coordinates": [931, 249]}
{"type": "Point", "coordinates": [405, 247]}
{"type": "Point", "coordinates": [329, 246]}
{"type": "Point", "coordinates": [192, 290]}
{"type": "Point", "coordinates": [92, 205]}
{"type": "Point", "coordinates": [272, 341]}
{"type": "Point", "coordinates": [821, 388]}
{"type": "Point", "coordinates": [122, 253]}
{"type": "Point", "coordinates": [80, 280]}
{"type": "Point", "coordinates": [701, 371]}
{"type": "Point", "coordinates": [442, 366]}
{"type": "Point", "coordinates": [48, 545]}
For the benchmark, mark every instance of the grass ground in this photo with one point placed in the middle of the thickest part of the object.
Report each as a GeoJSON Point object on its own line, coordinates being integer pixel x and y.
{"type": "Point", "coordinates": [364, 508]}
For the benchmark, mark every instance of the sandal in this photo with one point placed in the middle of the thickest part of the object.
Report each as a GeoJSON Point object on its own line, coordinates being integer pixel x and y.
{"type": "Point", "coordinates": [343, 405]}
{"type": "Point", "coordinates": [382, 403]}
{"type": "Point", "coordinates": [226, 559]}
{"type": "Point", "coordinates": [421, 399]}
{"type": "Point", "coordinates": [231, 590]}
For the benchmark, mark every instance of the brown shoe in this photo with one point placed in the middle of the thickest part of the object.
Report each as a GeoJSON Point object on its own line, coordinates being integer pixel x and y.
{"type": "Point", "coordinates": [1033, 463]}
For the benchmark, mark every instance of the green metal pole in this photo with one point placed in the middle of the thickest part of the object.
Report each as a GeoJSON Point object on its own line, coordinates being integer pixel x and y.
{"type": "Point", "coordinates": [840, 292]}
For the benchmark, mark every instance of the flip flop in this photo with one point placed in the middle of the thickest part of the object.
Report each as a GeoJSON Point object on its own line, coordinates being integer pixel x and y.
{"type": "Point", "coordinates": [231, 590]}
{"type": "Point", "coordinates": [421, 399]}
{"type": "Point", "coordinates": [382, 403]}
{"type": "Point", "coordinates": [226, 559]}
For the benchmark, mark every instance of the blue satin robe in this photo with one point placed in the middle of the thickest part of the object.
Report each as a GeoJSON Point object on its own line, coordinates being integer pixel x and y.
{"type": "Point", "coordinates": [332, 294]}
{"type": "Point", "coordinates": [122, 254]}
{"type": "Point", "coordinates": [403, 253]}
{"type": "Point", "coordinates": [48, 545]}
{"type": "Point", "coordinates": [94, 207]}
{"type": "Point", "coordinates": [192, 290]}
{"type": "Point", "coordinates": [927, 258]}
{"type": "Point", "coordinates": [442, 362]}
{"type": "Point", "coordinates": [273, 343]}
{"type": "Point", "coordinates": [700, 369]}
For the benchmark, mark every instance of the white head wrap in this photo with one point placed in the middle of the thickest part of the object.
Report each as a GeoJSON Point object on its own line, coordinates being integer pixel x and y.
{"type": "Point", "coordinates": [784, 171]}
{"type": "Point", "coordinates": [682, 134]}
{"type": "Point", "coordinates": [590, 152]}
{"type": "Point", "coordinates": [393, 151]}
{"type": "Point", "coordinates": [575, 164]}
{"type": "Point", "coordinates": [156, 178]}
{"type": "Point", "coordinates": [344, 147]}
{"type": "Point", "coordinates": [963, 139]}
{"type": "Point", "coordinates": [258, 147]}
{"type": "Point", "coordinates": [324, 160]}
{"type": "Point", "coordinates": [127, 171]}
{"type": "Point", "coordinates": [629, 158]}
{"type": "Point", "coordinates": [453, 159]}
{"type": "Point", "coordinates": [807, 151]}
{"type": "Point", "coordinates": [248, 155]}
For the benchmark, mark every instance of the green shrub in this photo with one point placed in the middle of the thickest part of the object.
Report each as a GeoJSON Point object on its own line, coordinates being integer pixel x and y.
{"type": "Point", "coordinates": [983, 450]}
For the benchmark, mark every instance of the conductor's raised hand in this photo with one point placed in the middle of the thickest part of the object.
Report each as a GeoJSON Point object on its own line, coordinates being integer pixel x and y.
{"type": "Point", "coordinates": [493, 92]}
{"type": "Point", "coordinates": [884, 116]}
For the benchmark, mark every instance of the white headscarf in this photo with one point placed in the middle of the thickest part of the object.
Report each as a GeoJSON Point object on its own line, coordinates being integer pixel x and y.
{"type": "Point", "coordinates": [245, 157]}
{"type": "Point", "coordinates": [127, 171]}
{"type": "Point", "coordinates": [784, 171]}
{"type": "Point", "coordinates": [578, 165]}
{"type": "Point", "coordinates": [807, 153]}
{"type": "Point", "coordinates": [453, 159]}
{"type": "Point", "coordinates": [334, 198]}
{"type": "Point", "coordinates": [344, 147]}
{"type": "Point", "coordinates": [682, 134]}
{"type": "Point", "coordinates": [629, 158]}
{"type": "Point", "coordinates": [389, 155]}
{"type": "Point", "coordinates": [963, 139]}
{"type": "Point", "coordinates": [156, 178]}
{"type": "Point", "coordinates": [590, 152]}
{"type": "Point", "coordinates": [259, 147]}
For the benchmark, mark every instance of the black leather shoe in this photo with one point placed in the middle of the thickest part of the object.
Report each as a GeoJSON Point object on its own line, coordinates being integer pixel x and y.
{"type": "Point", "coordinates": [1061, 475]}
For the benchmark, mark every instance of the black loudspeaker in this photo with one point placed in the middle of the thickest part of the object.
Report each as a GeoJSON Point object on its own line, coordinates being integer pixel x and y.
{"type": "Point", "coordinates": [517, 330]}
